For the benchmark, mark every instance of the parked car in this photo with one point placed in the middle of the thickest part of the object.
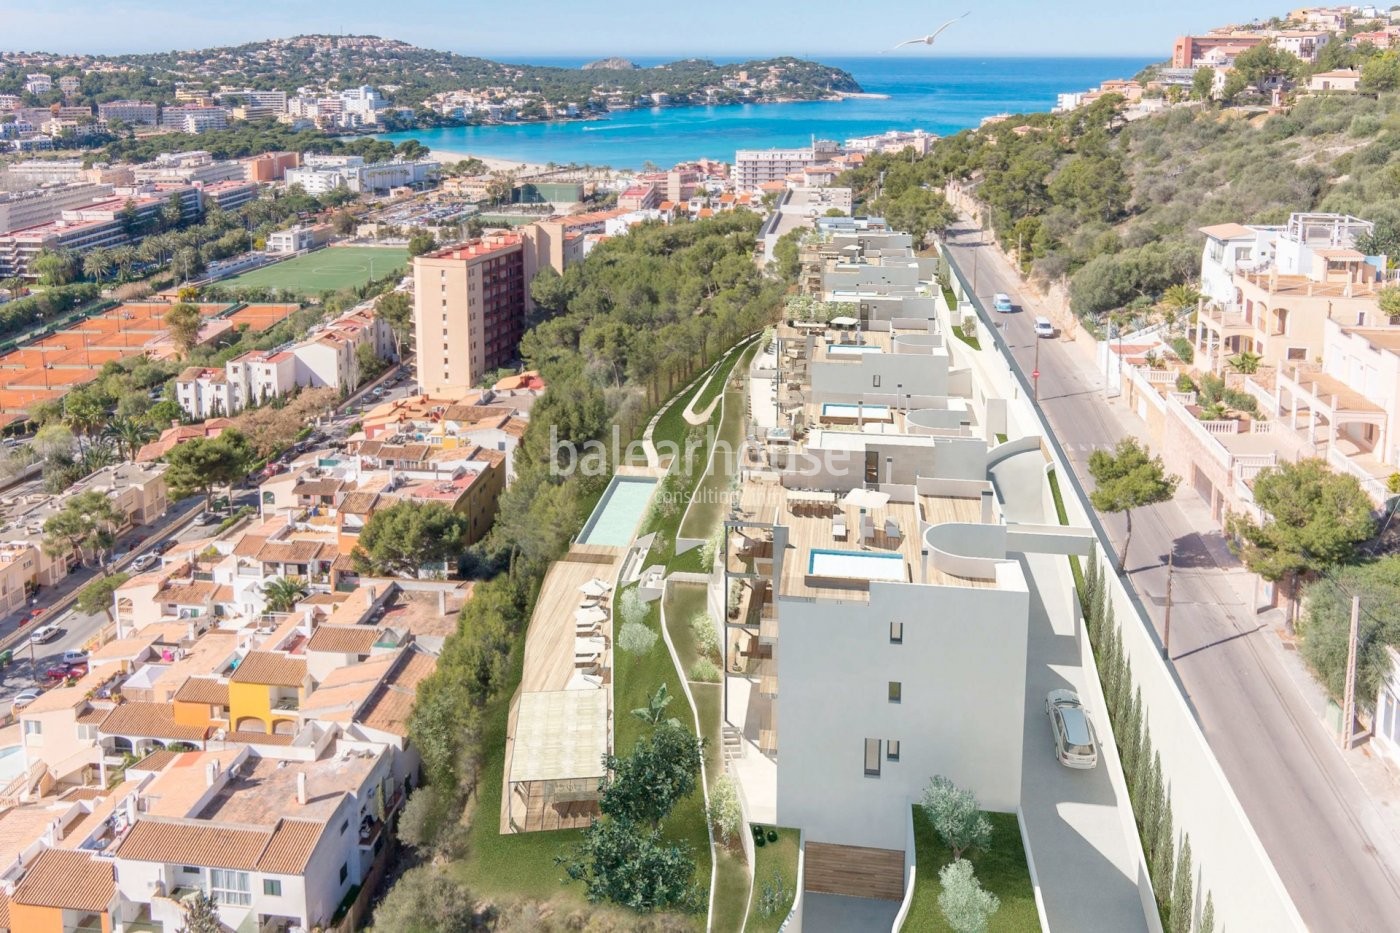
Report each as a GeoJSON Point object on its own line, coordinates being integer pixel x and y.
{"type": "Point", "coordinates": [1075, 744]}
{"type": "Point", "coordinates": [1002, 302]}
{"type": "Point", "coordinates": [44, 634]}
{"type": "Point", "coordinates": [378, 392]}
{"type": "Point", "coordinates": [162, 546]}
{"type": "Point", "coordinates": [208, 518]}
{"type": "Point", "coordinates": [57, 672]}
{"type": "Point", "coordinates": [1043, 327]}
{"type": "Point", "coordinates": [25, 697]}
{"type": "Point", "coordinates": [78, 670]}
{"type": "Point", "coordinates": [74, 656]}
{"type": "Point", "coordinates": [144, 562]}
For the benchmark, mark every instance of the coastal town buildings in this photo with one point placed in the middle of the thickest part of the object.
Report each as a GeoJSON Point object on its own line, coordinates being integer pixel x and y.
{"type": "Point", "coordinates": [468, 311]}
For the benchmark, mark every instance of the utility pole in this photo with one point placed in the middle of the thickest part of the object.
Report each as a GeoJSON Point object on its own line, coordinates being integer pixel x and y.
{"type": "Point", "coordinates": [1167, 617]}
{"type": "Point", "coordinates": [1035, 373]}
{"type": "Point", "coordinates": [1349, 700]}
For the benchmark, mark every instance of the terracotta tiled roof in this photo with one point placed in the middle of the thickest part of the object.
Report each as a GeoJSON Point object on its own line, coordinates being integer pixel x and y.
{"type": "Point", "coordinates": [249, 545]}
{"type": "Point", "coordinates": [389, 708]}
{"type": "Point", "coordinates": [290, 847]}
{"type": "Point", "coordinates": [67, 879]}
{"type": "Point", "coordinates": [203, 690]}
{"type": "Point", "coordinates": [149, 720]}
{"type": "Point", "coordinates": [156, 760]}
{"type": "Point", "coordinates": [187, 594]}
{"type": "Point", "coordinates": [358, 503]}
{"type": "Point", "coordinates": [190, 842]}
{"type": "Point", "coordinates": [265, 667]}
{"type": "Point", "coordinates": [343, 639]}
{"type": "Point", "coordinates": [319, 487]}
{"type": "Point", "coordinates": [291, 552]}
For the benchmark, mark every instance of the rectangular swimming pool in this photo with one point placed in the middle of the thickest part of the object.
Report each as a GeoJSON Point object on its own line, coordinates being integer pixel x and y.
{"type": "Point", "coordinates": [615, 519]}
{"type": "Point", "coordinates": [855, 565]}
{"type": "Point", "coordinates": [852, 349]}
{"type": "Point", "coordinates": [847, 410]}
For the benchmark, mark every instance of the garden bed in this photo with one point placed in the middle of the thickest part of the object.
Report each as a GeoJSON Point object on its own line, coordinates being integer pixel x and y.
{"type": "Point", "coordinates": [779, 857]}
{"type": "Point", "coordinates": [1001, 869]}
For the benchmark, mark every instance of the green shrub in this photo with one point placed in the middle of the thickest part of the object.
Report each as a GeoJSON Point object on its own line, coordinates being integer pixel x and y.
{"type": "Point", "coordinates": [1183, 349]}
{"type": "Point", "coordinates": [706, 635]}
{"type": "Point", "coordinates": [1184, 383]}
{"type": "Point", "coordinates": [704, 671]}
{"type": "Point", "coordinates": [636, 638]}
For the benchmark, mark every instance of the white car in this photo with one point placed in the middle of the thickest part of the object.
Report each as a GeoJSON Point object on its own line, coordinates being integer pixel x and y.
{"type": "Point", "coordinates": [1075, 743]}
{"type": "Point", "coordinates": [144, 562]}
{"type": "Point", "coordinates": [74, 656]}
{"type": "Point", "coordinates": [25, 697]}
{"type": "Point", "coordinates": [43, 634]}
{"type": "Point", "coordinates": [1043, 327]}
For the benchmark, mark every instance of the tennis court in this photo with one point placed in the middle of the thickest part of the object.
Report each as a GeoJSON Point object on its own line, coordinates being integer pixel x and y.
{"type": "Point", "coordinates": [326, 269]}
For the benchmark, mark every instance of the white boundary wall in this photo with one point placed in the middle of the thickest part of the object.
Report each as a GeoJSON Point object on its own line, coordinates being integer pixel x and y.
{"type": "Point", "coordinates": [1229, 860]}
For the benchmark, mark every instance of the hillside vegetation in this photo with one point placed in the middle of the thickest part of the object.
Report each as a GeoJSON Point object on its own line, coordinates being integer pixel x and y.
{"type": "Point", "coordinates": [1114, 207]}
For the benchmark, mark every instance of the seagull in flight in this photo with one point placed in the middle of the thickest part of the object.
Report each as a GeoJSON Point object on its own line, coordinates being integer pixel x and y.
{"type": "Point", "coordinates": [928, 39]}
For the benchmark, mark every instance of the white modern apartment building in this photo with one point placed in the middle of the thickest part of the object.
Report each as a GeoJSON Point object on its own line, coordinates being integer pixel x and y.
{"type": "Point", "coordinates": [187, 168]}
{"type": "Point", "coordinates": [46, 171]}
{"type": "Point", "coordinates": [38, 84]}
{"type": "Point", "coordinates": [323, 174]}
{"type": "Point", "coordinates": [756, 167]}
{"type": "Point", "coordinates": [130, 111]}
{"type": "Point", "coordinates": [193, 118]}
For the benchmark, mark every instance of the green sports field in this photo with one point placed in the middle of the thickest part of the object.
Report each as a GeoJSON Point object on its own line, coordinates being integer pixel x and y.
{"type": "Point", "coordinates": [334, 268]}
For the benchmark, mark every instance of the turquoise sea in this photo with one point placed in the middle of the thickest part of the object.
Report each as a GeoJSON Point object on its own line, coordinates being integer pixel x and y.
{"type": "Point", "coordinates": [936, 93]}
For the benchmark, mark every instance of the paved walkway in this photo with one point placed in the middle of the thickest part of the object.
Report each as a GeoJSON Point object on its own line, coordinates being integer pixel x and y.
{"type": "Point", "coordinates": [1335, 842]}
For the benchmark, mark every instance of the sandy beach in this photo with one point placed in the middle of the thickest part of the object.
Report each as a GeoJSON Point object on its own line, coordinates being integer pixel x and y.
{"type": "Point", "coordinates": [493, 163]}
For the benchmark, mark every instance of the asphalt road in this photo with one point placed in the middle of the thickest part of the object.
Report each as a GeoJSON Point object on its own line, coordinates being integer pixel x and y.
{"type": "Point", "coordinates": [1333, 849]}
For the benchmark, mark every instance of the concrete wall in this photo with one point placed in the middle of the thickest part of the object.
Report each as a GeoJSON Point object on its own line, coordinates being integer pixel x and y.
{"type": "Point", "coordinates": [834, 668]}
{"type": "Point", "coordinates": [894, 374]}
{"type": "Point", "coordinates": [1230, 861]}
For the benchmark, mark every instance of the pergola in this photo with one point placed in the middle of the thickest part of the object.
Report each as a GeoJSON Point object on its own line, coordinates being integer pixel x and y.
{"type": "Point", "coordinates": [561, 737]}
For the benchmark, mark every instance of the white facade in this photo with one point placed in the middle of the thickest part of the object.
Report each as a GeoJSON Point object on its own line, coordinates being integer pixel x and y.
{"type": "Point", "coordinates": [754, 167]}
{"type": "Point", "coordinates": [1232, 248]}
{"type": "Point", "coordinates": [961, 669]}
{"type": "Point", "coordinates": [38, 84]}
{"type": "Point", "coordinates": [130, 111]}
{"type": "Point", "coordinates": [1386, 725]}
{"type": "Point", "coordinates": [255, 377]}
{"type": "Point", "coordinates": [205, 393]}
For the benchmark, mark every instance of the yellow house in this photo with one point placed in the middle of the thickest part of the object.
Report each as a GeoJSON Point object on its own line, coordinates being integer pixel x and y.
{"type": "Point", "coordinates": [265, 691]}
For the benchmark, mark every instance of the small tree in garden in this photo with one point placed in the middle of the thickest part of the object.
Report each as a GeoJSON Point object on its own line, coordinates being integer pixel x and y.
{"type": "Point", "coordinates": [966, 907]}
{"type": "Point", "coordinates": [955, 816]}
{"type": "Point", "coordinates": [201, 915]}
{"type": "Point", "coordinates": [662, 769]}
{"type": "Point", "coordinates": [654, 713]}
{"type": "Point", "coordinates": [1208, 915]}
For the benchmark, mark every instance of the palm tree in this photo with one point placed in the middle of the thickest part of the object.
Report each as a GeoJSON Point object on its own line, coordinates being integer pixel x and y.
{"type": "Point", "coordinates": [124, 258]}
{"type": "Point", "coordinates": [283, 593]}
{"type": "Point", "coordinates": [97, 265]}
{"type": "Point", "coordinates": [1177, 299]}
{"type": "Point", "coordinates": [1245, 363]}
{"type": "Point", "coordinates": [129, 434]}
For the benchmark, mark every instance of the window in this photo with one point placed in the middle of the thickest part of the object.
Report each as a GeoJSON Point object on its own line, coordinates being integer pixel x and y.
{"type": "Point", "coordinates": [891, 749]}
{"type": "Point", "coordinates": [344, 826]}
{"type": "Point", "coordinates": [1298, 354]}
{"type": "Point", "coordinates": [896, 691]}
{"type": "Point", "coordinates": [344, 871]}
{"type": "Point", "coordinates": [188, 870]}
{"type": "Point", "coordinates": [33, 727]}
{"type": "Point", "coordinates": [272, 887]}
{"type": "Point", "coordinates": [230, 887]}
{"type": "Point", "coordinates": [875, 381]}
{"type": "Point", "coordinates": [896, 633]}
{"type": "Point", "coordinates": [872, 757]}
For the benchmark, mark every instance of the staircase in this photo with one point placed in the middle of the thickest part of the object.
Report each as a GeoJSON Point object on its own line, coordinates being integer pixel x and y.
{"type": "Point", "coordinates": [732, 743]}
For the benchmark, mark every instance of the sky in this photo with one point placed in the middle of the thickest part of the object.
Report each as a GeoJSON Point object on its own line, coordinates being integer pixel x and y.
{"type": "Point", "coordinates": [628, 27]}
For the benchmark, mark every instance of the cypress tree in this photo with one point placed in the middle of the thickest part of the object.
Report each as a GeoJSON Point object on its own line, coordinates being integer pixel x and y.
{"type": "Point", "coordinates": [1108, 670]}
{"type": "Point", "coordinates": [1163, 859]}
{"type": "Point", "coordinates": [1183, 901]}
{"type": "Point", "coordinates": [1208, 915]}
{"type": "Point", "coordinates": [1093, 597]}
{"type": "Point", "coordinates": [1152, 801]}
{"type": "Point", "coordinates": [1132, 736]}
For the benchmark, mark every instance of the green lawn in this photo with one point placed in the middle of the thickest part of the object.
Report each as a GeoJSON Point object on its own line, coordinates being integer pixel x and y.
{"type": "Point", "coordinates": [519, 864]}
{"type": "Point", "coordinates": [1001, 870]}
{"type": "Point", "coordinates": [324, 270]}
{"type": "Point", "coordinates": [731, 891]}
{"type": "Point", "coordinates": [780, 856]}
{"type": "Point", "coordinates": [711, 494]}
{"type": "Point", "coordinates": [635, 679]}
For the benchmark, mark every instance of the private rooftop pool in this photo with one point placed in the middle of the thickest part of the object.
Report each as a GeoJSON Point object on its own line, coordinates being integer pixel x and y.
{"type": "Point", "coordinates": [852, 349]}
{"type": "Point", "coordinates": [845, 410]}
{"type": "Point", "coordinates": [855, 565]}
{"type": "Point", "coordinates": [615, 519]}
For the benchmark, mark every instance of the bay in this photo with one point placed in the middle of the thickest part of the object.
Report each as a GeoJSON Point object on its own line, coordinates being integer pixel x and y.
{"type": "Point", "coordinates": [940, 94]}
